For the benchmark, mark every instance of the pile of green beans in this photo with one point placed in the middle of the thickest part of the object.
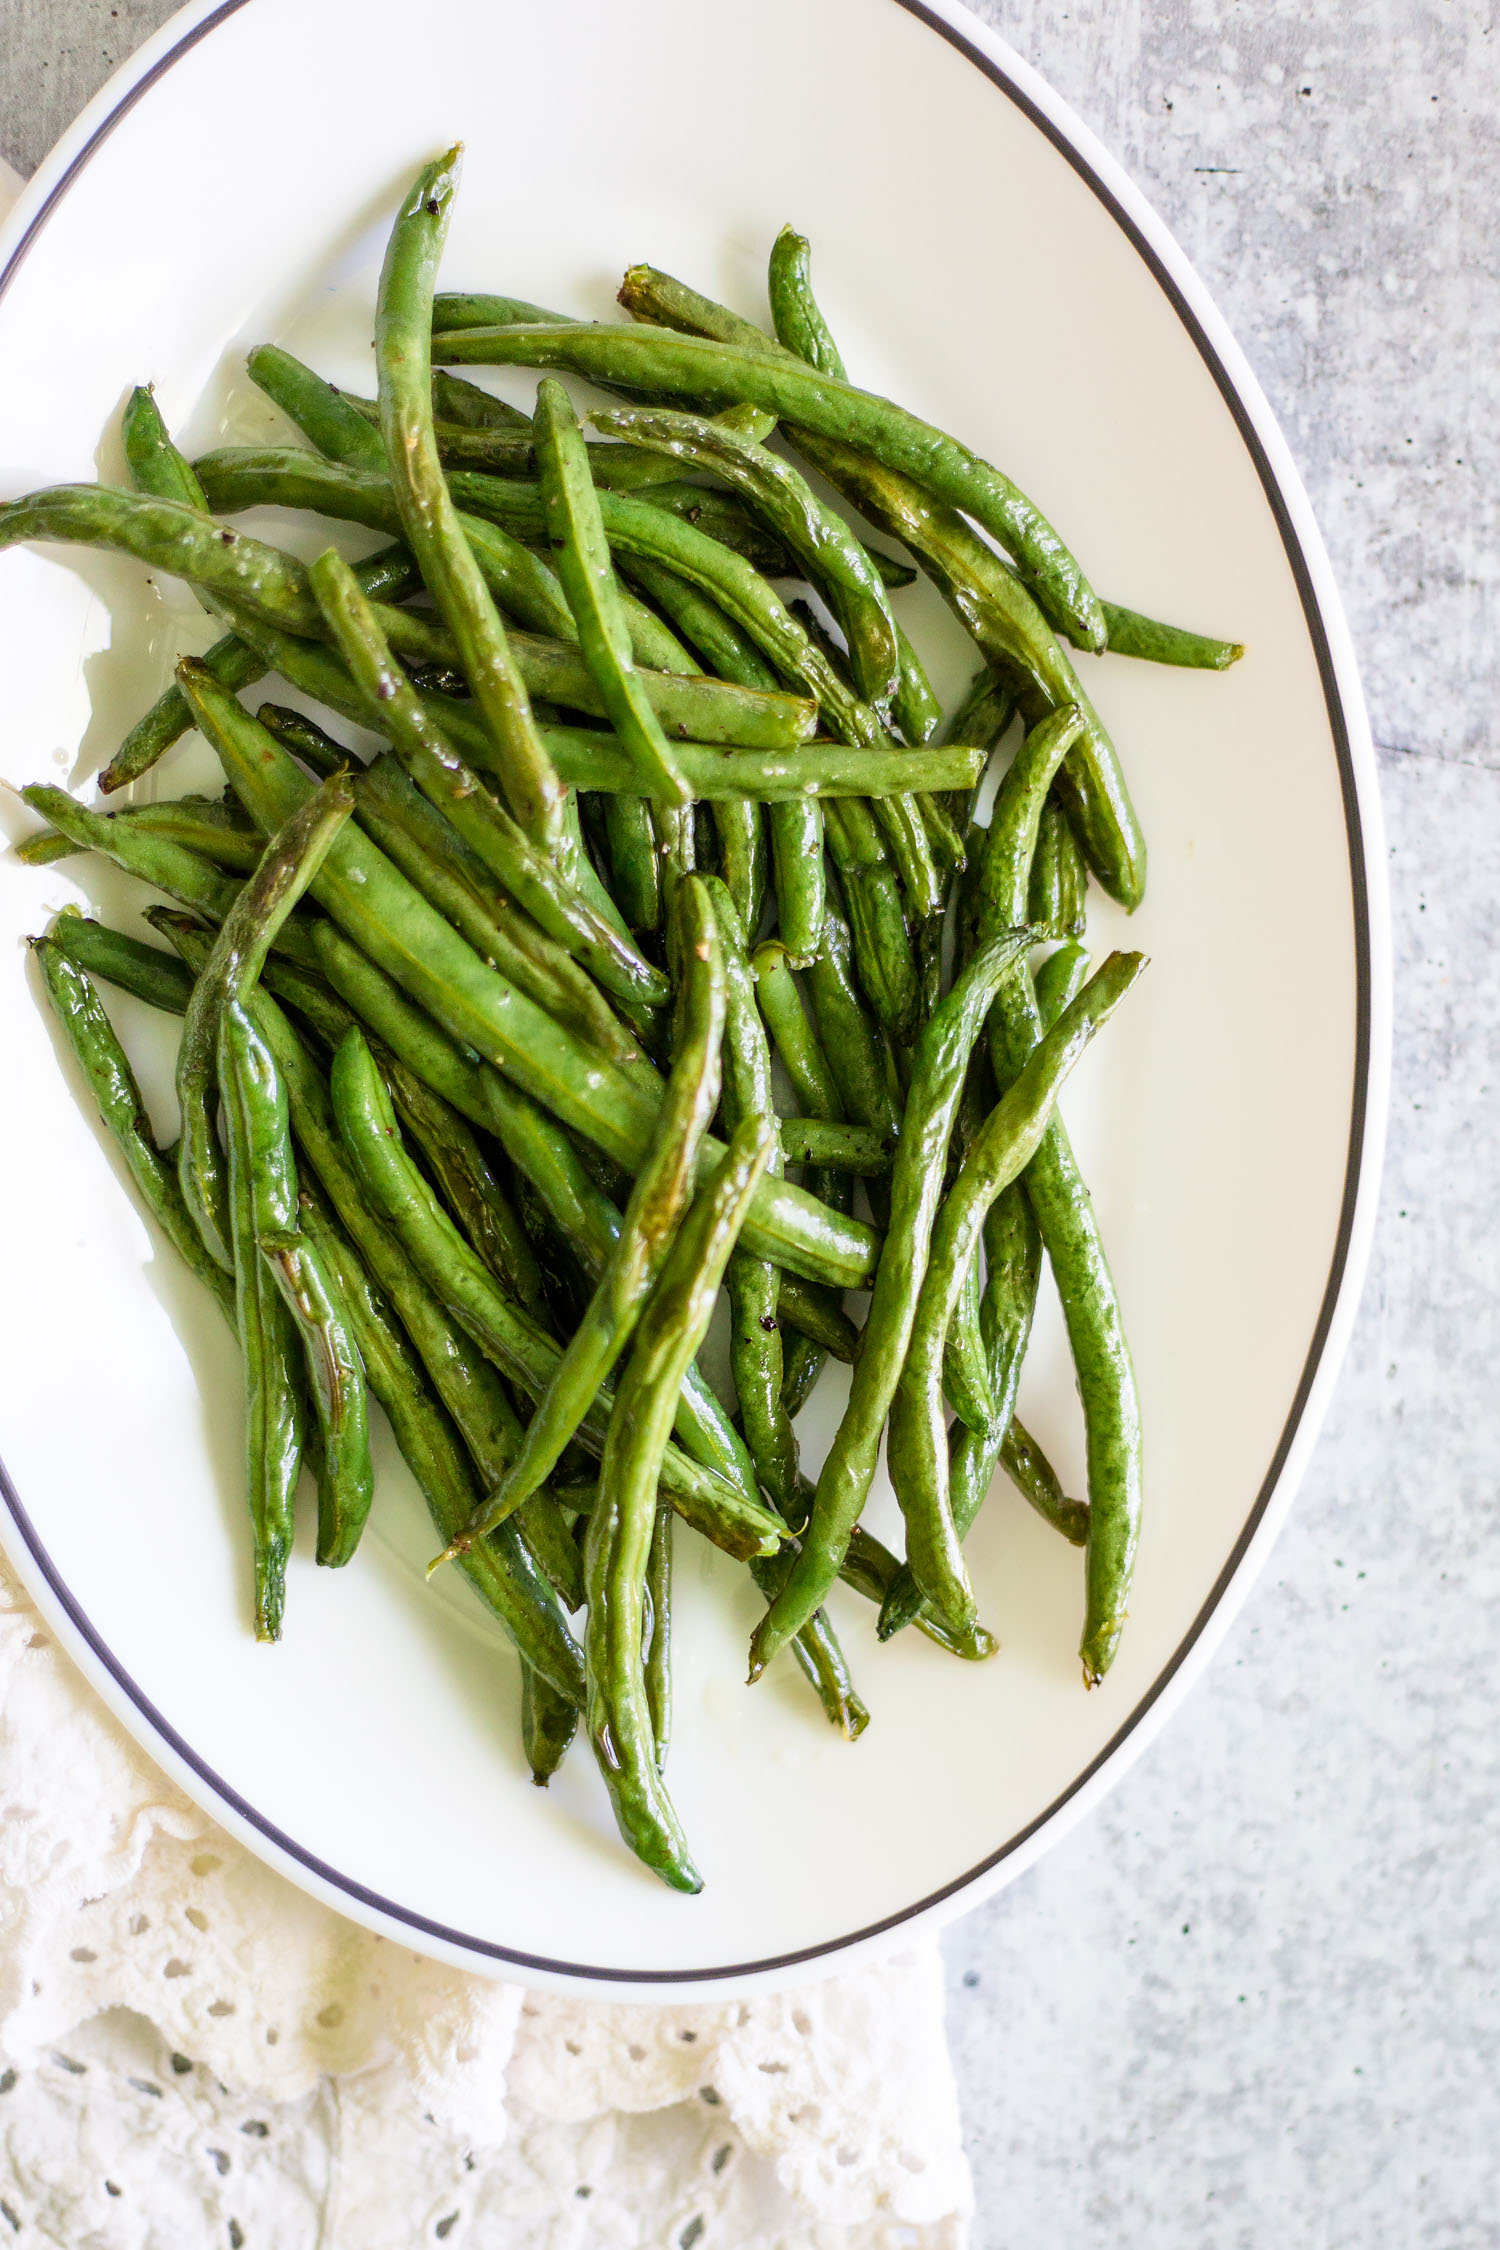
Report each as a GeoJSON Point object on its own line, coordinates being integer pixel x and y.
{"type": "Point", "coordinates": [659, 949]}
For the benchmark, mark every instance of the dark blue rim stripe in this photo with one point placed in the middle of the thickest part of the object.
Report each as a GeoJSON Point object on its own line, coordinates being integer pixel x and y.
{"type": "Point", "coordinates": [1339, 728]}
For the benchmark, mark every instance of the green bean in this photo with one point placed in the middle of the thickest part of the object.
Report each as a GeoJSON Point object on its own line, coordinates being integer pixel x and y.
{"type": "Point", "coordinates": [388, 576]}
{"type": "Point", "coordinates": [1130, 634]}
{"type": "Point", "coordinates": [658, 1652]}
{"type": "Point", "coordinates": [288, 864]}
{"type": "Point", "coordinates": [882, 951]}
{"type": "Point", "coordinates": [228, 565]}
{"type": "Point", "coordinates": [475, 1005]}
{"type": "Point", "coordinates": [144, 970]}
{"type": "Point", "coordinates": [467, 1182]}
{"type": "Point", "coordinates": [917, 1443]}
{"type": "Point", "coordinates": [460, 1282]}
{"type": "Point", "coordinates": [941, 1059]}
{"type": "Point", "coordinates": [538, 1147]}
{"type": "Point", "coordinates": [464, 309]}
{"type": "Point", "coordinates": [818, 1654]}
{"type": "Point", "coordinates": [856, 1062]}
{"type": "Point", "coordinates": [1072, 881]}
{"type": "Point", "coordinates": [589, 759]}
{"type": "Point", "coordinates": [966, 1356]}
{"type": "Point", "coordinates": [872, 1570]}
{"type": "Point", "coordinates": [718, 515]}
{"type": "Point", "coordinates": [802, 331]}
{"type": "Point", "coordinates": [432, 856]}
{"type": "Point", "coordinates": [265, 477]}
{"type": "Point", "coordinates": [795, 315]}
{"type": "Point", "coordinates": [45, 848]}
{"type": "Point", "coordinates": [325, 417]}
{"type": "Point", "coordinates": [902, 823]}
{"type": "Point", "coordinates": [400, 1195]}
{"type": "Point", "coordinates": [657, 1201]}
{"type": "Point", "coordinates": [837, 1148]}
{"type": "Point", "coordinates": [755, 1350]}
{"type": "Point", "coordinates": [984, 711]}
{"type": "Point", "coordinates": [219, 831]}
{"type": "Point", "coordinates": [570, 920]}
{"type": "Point", "coordinates": [1070, 1235]}
{"type": "Point", "coordinates": [581, 556]}
{"type": "Point", "coordinates": [112, 1082]}
{"type": "Point", "coordinates": [918, 712]}
{"type": "Point", "coordinates": [400, 932]}
{"type": "Point", "coordinates": [1058, 876]}
{"type": "Point", "coordinates": [795, 826]}
{"type": "Point", "coordinates": [900, 819]}
{"type": "Point", "coordinates": [1044, 904]}
{"type": "Point", "coordinates": [167, 866]}
{"type": "Point", "coordinates": [822, 1324]}
{"type": "Point", "coordinates": [741, 832]}
{"type": "Point", "coordinates": [983, 594]}
{"type": "Point", "coordinates": [549, 1722]}
{"type": "Point", "coordinates": [159, 470]}
{"type": "Point", "coordinates": [805, 1361]}
{"type": "Point", "coordinates": [1013, 1255]}
{"type": "Point", "coordinates": [817, 1313]}
{"type": "Point", "coordinates": [541, 1153]}
{"type": "Point", "coordinates": [303, 989]}
{"type": "Point", "coordinates": [828, 551]}
{"type": "Point", "coordinates": [262, 1199]}
{"type": "Point", "coordinates": [701, 372]}
{"type": "Point", "coordinates": [336, 1379]}
{"type": "Point", "coordinates": [155, 464]}
{"type": "Point", "coordinates": [688, 705]}
{"type": "Point", "coordinates": [796, 1042]}
{"type": "Point", "coordinates": [456, 399]}
{"type": "Point", "coordinates": [796, 832]}
{"type": "Point", "coordinates": [653, 642]}
{"type": "Point", "coordinates": [1016, 640]}
{"type": "Point", "coordinates": [469, 1387]}
{"type": "Point", "coordinates": [429, 519]}
{"type": "Point", "coordinates": [1036, 1480]}
{"type": "Point", "coordinates": [305, 481]}
{"type": "Point", "coordinates": [1008, 863]}
{"type": "Point", "coordinates": [248, 476]}
{"type": "Point", "coordinates": [1059, 980]}
{"type": "Point", "coordinates": [512, 453]}
{"type": "Point", "coordinates": [633, 865]}
{"type": "Point", "coordinates": [723, 645]}
{"type": "Point", "coordinates": [502, 1571]}
{"type": "Point", "coordinates": [210, 829]}
{"type": "Point", "coordinates": [484, 826]}
{"type": "Point", "coordinates": [619, 1533]}
{"type": "Point", "coordinates": [467, 1384]}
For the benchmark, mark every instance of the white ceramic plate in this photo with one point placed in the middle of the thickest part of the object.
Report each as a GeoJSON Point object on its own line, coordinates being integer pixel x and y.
{"type": "Point", "coordinates": [981, 259]}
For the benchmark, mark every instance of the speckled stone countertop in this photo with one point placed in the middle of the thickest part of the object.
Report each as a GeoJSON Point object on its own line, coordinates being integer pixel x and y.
{"type": "Point", "coordinates": [1255, 2000]}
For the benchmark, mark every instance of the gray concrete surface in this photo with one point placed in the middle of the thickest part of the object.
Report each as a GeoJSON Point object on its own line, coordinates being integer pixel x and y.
{"type": "Point", "coordinates": [1253, 2002]}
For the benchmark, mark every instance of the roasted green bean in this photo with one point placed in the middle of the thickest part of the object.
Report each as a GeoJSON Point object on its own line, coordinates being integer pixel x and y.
{"type": "Point", "coordinates": [262, 1200]}
{"type": "Point", "coordinates": [287, 866]}
{"type": "Point", "coordinates": [918, 1445]}
{"type": "Point", "coordinates": [112, 1081]}
{"type": "Point", "coordinates": [429, 519]}
{"type": "Point", "coordinates": [659, 1197]}
{"type": "Point", "coordinates": [619, 1534]}
{"type": "Point", "coordinates": [937, 1079]}
{"type": "Point", "coordinates": [701, 372]}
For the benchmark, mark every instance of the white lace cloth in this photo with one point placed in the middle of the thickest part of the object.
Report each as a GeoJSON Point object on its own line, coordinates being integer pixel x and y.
{"type": "Point", "coordinates": [192, 2052]}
